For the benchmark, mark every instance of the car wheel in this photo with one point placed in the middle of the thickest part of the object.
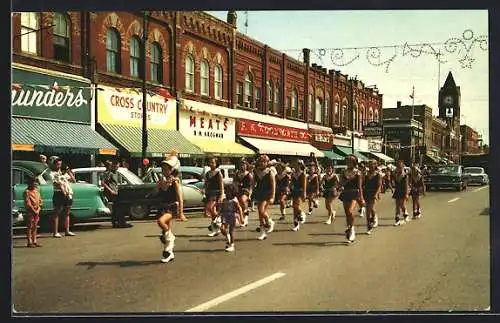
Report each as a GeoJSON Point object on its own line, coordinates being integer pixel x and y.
{"type": "Point", "coordinates": [139, 211]}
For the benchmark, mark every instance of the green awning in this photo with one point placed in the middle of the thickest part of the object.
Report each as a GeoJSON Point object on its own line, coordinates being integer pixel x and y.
{"type": "Point", "coordinates": [348, 150]}
{"type": "Point", "coordinates": [58, 137]}
{"type": "Point", "coordinates": [160, 141]}
{"type": "Point", "coordinates": [332, 155]}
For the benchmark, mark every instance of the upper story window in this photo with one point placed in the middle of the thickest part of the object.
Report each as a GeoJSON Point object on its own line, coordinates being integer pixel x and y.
{"type": "Point", "coordinates": [361, 119]}
{"type": "Point", "coordinates": [258, 101]}
{"type": "Point", "coordinates": [204, 79]}
{"type": "Point", "coordinates": [113, 52]}
{"type": "Point", "coordinates": [189, 73]}
{"type": "Point", "coordinates": [248, 90]}
{"type": "Point", "coordinates": [156, 63]}
{"type": "Point", "coordinates": [337, 114]}
{"type": "Point", "coordinates": [218, 82]}
{"type": "Point", "coordinates": [318, 109]}
{"type": "Point", "coordinates": [270, 92]}
{"type": "Point", "coordinates": [326, 120]}
{"type": "Point", "coordinates": [310, 105]}
{"type": "Point", "coordinates": [376, 116]}
{"type": "Point", "coordinates": [344, 116]}
{"type": "Point", "coordinates": [239, 92]}
{"type": "Point", "coordinates": [135, 57]}
{"type": "Point", "coordinates": [294, 104]}
{"type": "Point", "coordinates": [30, 25]}
{"type": "Point", "coordinates": [62, 37]}
{"type": "Point", "coordinates": [370, 114]}
{"type": "Point", "coordinates": [277, 107]}
{"type": "Point", "coordinates": [355, 117]}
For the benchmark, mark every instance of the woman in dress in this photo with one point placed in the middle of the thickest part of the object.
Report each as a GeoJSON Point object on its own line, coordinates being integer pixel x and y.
{"type": "Point", "coordinates": [214, 191]}
{"type": "Point", "coordinates": [401, 192]}
{"type": "Point", "coordinates": [231, 211]}
{"type": "Point", "coordinates": [312, 187]}
{"type": "Point", "coordinates": [264, 192]}
{"type": "Point", "coordinates": [243, 183]}
{"type": "Point", "coordinates": [298, 189]}
{"type": "Point", "coordinates": [330, 183]}
{"type": "Point", "coordinates": [283, 187]}
{"type": "Point", "coordinates": [372, 186]}
{"type": "Point", "coordinates": [417, 189]}
{"type": "Point", "coordinates": [352, 192]}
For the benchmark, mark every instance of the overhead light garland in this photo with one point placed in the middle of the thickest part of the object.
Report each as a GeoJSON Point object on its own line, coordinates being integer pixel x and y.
{"type": "Point", "coordinates": [385, 55]}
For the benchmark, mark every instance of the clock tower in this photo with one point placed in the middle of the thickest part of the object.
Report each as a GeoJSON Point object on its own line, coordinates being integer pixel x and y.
{"type": "Point", "coordinates": [449, 111]}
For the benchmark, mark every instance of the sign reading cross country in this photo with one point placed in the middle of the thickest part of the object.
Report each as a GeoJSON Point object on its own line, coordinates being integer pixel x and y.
{"type": "Point", "coordinates": [373, 129]}
{"type": "Point", "coordinates": [124, 107]}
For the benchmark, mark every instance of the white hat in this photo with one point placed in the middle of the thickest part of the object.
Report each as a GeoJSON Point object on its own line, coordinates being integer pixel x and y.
{"type": "Point", "coordinates": [173, 162]}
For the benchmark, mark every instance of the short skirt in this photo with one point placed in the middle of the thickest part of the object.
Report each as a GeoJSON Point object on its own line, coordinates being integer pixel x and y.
{"type": "Point", "coordinates": [172, 208]}
{"type": "Point", "coordinates": [330, 193]}
{"type": "Point", "coordinates": [212, 195]}
{"type": "Point", "coordinates": [260, 196]}
{"type": "Point", "coordinates": [369, 195]}
{"type": "Point", "coordinates": [349, 195]}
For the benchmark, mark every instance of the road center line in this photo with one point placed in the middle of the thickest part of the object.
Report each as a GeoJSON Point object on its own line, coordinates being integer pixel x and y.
{"type": "Point", "coordinates": [454, 200]}
{"type": "Point", "coordinates": [479, 189]}
{"type": "Point", "coordinates": [235, 293]}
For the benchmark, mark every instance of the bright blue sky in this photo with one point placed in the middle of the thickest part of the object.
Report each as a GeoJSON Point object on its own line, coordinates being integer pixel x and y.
{"type": "Point", "coordinates": [284, 30]}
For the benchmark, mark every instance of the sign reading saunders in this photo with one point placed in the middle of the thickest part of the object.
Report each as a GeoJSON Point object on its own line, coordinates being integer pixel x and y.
{"type": "Point", "coordinates": [195, 125]}
{"type": "Point", "coordinates": [124, 107]}
{"type": "Point", "coordinates": [373, 129]}
{"type": "Point", "coordinates": [44, 94]}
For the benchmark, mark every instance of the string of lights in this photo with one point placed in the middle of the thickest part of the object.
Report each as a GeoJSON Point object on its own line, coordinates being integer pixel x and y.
{"type": "Point", "coordinates": [385, 55]}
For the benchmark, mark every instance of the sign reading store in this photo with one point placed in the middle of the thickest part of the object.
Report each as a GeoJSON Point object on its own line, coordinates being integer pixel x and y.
{"type": "Point", "coordinates": [198, 124]}
{"type": "Point", "coordinates": [257, 129]}
{"type": "Point", "coordinates": [44, 94]}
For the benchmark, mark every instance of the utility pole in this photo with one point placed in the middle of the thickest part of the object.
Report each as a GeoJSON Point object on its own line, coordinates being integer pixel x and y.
{"type": "Point", "coordinates": [144, 91]}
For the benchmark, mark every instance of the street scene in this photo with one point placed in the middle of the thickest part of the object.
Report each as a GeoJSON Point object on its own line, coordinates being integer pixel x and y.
{"type": "Point", "coordinates": [194, 162]}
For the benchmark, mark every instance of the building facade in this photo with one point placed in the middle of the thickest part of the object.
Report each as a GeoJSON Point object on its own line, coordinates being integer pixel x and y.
{"type": "Point", "coordinates": [471, 141]}
{"type": "Point", "coordinates": [203, 67]}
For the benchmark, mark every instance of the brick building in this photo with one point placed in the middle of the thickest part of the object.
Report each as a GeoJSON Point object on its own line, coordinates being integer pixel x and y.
{"type": "Point", "coordinates": [471, 141]}
{"type": "Point", "coordinates": [210, 72]}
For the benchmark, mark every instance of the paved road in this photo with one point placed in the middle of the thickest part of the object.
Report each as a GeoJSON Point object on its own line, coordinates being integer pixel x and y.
{"type": "Point", "coordinates": [440, 262]}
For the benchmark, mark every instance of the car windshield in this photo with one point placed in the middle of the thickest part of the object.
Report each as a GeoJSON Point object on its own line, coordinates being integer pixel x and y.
{"type": "Point", "coordinates": [445, 170]}
{"type": "Point", "coordinates": [47, 176]}
{"type": "Point", "coordinates": [473, 170]}
{"type": "Point", "coordinates": [131, 177]}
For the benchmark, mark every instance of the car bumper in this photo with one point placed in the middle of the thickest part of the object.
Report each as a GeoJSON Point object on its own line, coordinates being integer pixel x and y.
{"type": "Point", "coordinates": [444, 184]}
{"type": "Point", "coordinates": [478, 181]}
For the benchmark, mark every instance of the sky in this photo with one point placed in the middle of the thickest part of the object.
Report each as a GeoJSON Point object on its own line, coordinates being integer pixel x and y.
{"type": "Point", "coordinates": [357, 31]}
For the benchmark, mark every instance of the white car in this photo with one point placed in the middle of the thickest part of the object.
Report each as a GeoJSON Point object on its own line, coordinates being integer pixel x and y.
{"type": "Point", "coordinates": [477, 175]}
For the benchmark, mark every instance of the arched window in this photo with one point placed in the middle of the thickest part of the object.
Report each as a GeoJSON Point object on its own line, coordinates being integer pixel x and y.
{"type": "Point", "coordinates": [277, 107]}
{"type": "Point", "coordinates": [294, 105]}
{"type": "Point", "coordinates": [135, 57]}
{"type": "Point", "coordinates": [310, 105]}
{"type": "Point", "coordinates": [30, 24]}
{"type": "Point", "coordinates": [361, 119]}
{"type": "Point", "coordinates": [218, 82]}
{"type": "Point", "coordinates": [62, 37]}
{"type": "Point", "coordinates": [189, 73]}
{"type": "Point", "coordinates": [376, 116]}
{"type": "Point", "coordinates": [204, 79]}
{"type": "Point", "coordinates": [113, 52]}
{"type": "Point", "coordinates": [337, 114]}
{"type": "Point", "coordinates": [318, 109]}
{"type": "Point", "coordinates": [248, 95]}
{"type": "Point", "coordinates": [355, 117]}
{"type": "Point", "coordinates": [270, 92]}
{"type": "Point", "coordinates": [326, 119]}
{"type": "Point", "coordinates": [156, 63]}
{"type": "Point", "coordinates": [370, 114]}
{"type": "Point", "coordinates": [344, 115]}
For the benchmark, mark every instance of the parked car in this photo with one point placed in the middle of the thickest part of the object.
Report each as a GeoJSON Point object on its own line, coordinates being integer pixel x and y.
{"type": "Point", "coordinates": [190, 175]}
{"type": "Point", "coordinates": [133, 190]}
{"type": "Point", "coordinates": [87, 198]}
{"type": "Point", "coordinates": [446, 176]}
{"type": "Point", "coordinates": [477, 175]}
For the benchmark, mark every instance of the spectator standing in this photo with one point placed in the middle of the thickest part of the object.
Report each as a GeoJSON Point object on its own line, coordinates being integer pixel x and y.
{"type": "Point", "coordinates": [62, 198]}
{"type": "Point", "coordinates": [110, 184]}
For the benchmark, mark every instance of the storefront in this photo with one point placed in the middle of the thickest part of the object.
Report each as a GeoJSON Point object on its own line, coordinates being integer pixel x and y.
{"type": "Point", "coordinates": [375, 151]}
{"type": "Point", "coordinates": [214, 134]}
{"type": "Point", "coordinates": [52, 114]}
{"type": "Point", "coordinates": [272, 139]}
{"type": "Point", "coordinates": [322, 138]}
{"type": "Point", "coordinates": [343, 146]}
{"type": "Point", "coordinates": [119, 117]}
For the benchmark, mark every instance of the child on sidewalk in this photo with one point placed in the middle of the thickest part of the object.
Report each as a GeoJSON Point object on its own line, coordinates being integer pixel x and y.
{"type": "Point", "coordinates": [230, 210]}
{"type": "Point", "coordinates": [33, 204]}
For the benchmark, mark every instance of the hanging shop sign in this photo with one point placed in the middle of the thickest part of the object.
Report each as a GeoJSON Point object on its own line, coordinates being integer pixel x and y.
{"type": "Point", "coordinates": [375, 145]}
{"type": "Point", "coordinates": [123, 106]}
{"type": "Point", "coordinates": [257, 129]}
{"type": "Point", "coordinates": [194, 124]}
{"type": "Point", "coordinates": [44, 94]}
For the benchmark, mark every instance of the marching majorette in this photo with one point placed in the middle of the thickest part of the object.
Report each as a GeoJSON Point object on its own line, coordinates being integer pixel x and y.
{"type": "Point", "coordinates": [214, 192]}
{"type": "Point", "coordinates": [298, 189]}
{"type": "Point", "coordinates": [372, 185]}
{"type": "Point", "coordinates": [264, 192]}
{"type": "Point", "coordinates": [243, 184]}
{"type": "Point", "coordinates": [330, 183]}
{"type": "Point", "coordinates": [352, 192]}
{"type": "Point", "coordinates": [401, 193]}
{"type": "Point", "coordinates": [283, 180]}
{"type": "Point", "coordinates": [312, 188]}
{"type": "Point", "coordinates": [417, 189]}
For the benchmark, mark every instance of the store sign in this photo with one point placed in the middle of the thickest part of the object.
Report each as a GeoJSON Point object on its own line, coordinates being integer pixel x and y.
{"type": "Point", "coordinates": [124, 107]}
{"type": "Point", "coordinates": [257, 129]}
{"type": "Point", "coordinates": [394, 144]}
{"type": "Point", "coordinates": [44, 94]}
{"type": "Point", "coordinates": [375, 146]}
{"type": "Point", "coordinates": [204, 125]}
{"type": "Point", "coordinates": [321, 139]}
{"type": "Point", "coordinates": [373, 129]}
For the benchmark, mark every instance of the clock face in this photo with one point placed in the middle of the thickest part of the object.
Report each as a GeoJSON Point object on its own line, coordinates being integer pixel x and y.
{"type": "Point", "coordinates": [448, 100]}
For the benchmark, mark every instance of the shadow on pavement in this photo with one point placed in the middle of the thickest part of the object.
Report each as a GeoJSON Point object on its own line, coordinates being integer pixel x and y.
{"type": "Point", "coordinates": [222, 239]}
{"type": "Point", "coordinates": [319, 244]}
{"type": "Point", "coordinates": [327, 234]}
{"type": "Point", "coordinates": [119, 263]}
{"type": "Point", "coordinates": [20, 233]}
{"type": "Point", "coordinates": [200, 250]}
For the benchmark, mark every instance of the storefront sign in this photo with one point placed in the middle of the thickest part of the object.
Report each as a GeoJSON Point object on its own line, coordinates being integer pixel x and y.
{"type": "Point", "coordinates": [342, 142]}
{"type": "Point", "coordinates": [375, 146]}
{"type": "Point", "coordinates": [124, 107]}
{"type": "Point", "coordinates": [205, 125]}
{"type": "Point", "coordinates": [251, 128]}
{"type": "Point", "coordinates": [373, 129]}
{"type": "Point", "coordinates": [321, 139]}
{"type": "Point", "coordinates": [39, 93]}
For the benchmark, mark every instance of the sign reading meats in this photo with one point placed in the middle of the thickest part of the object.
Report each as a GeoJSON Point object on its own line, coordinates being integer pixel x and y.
{"type": "Point", "coordinates": [269, 131]}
